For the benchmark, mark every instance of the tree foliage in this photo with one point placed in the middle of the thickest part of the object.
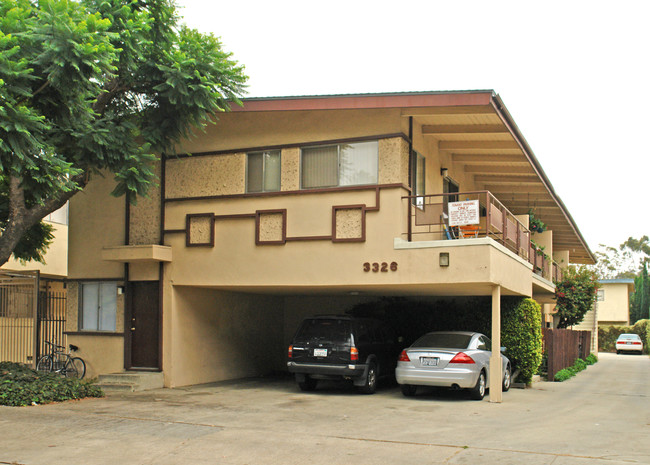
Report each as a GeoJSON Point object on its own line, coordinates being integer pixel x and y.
{"type": "Point", "coordinates": [575, 295]}
{"type": "Point", "coordinates": [96, 85]}
{"type": "Point", "coordinates": [640, 298]}
{"type": "Point", "coordinates": [521, 334]}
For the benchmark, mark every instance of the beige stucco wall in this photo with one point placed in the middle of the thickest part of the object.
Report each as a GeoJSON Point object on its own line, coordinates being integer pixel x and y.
{"type": "Point", "coordinates": [97, 220]}
{"type": "Point", "coordinates": [267, 129]}
{"type": "Point", "coordinates": [616, 306]}
{"type": "Point", "coordinates": [56, 257]}
{"type": "Point", "coordinates": [215, 336]}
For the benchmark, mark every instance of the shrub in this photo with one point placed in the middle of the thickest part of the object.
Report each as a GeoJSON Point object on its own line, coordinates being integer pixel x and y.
{"type": "Point", "coordinates": [564, 374]}
{"type": "Point", "coordinates": [521, 334]}
{"type": "Point", "coordinates": [20, 385]}
{"type": "Point", "coordinates": [577, 367]}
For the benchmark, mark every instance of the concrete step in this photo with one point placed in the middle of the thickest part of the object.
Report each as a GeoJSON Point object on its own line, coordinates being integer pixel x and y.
{"type": "Point", "coordinates": [131, 381]}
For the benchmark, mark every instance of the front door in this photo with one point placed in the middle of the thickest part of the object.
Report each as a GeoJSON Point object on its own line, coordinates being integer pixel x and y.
{"type": "Point", "coordinates": [144, 325]}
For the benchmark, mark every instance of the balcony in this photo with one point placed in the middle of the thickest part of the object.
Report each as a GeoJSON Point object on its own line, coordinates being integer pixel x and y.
{"type": "Point", "coordinates": [471, 215]}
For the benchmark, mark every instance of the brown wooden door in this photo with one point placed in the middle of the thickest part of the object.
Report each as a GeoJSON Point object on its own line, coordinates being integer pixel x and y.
{"type": "Point", "coordinates": [144, 324]}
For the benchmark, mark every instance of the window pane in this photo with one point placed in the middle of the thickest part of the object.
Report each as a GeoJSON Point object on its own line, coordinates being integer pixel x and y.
{"type": "Point", "coordinates": [359, 163]}
{"type": "Point", "coordinates": [319, 167]}
{"type": "Point", "coordinates": [272, 171]}
{"type": "Point", "coordinates": [90, 305]}
{"type": "Point", "coordinates": [108, 306]}
{"type": "Point", "coordinates": [254, 172]}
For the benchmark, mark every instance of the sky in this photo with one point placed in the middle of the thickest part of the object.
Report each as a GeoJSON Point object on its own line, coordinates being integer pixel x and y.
{"type": "Point", "coordinates": [573, 74]}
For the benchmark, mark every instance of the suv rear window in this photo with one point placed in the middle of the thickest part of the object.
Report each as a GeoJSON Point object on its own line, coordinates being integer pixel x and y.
{"type": "Point", "coordinates": [324, 330]}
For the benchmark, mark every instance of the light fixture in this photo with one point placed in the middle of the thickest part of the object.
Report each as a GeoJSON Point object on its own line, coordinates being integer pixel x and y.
{"type": "Point", "coordinates": [444, 172]}
{"type": "Point", "coordinates": [444, 259]}
{"type": "Point", "coordinates": [120, 290]}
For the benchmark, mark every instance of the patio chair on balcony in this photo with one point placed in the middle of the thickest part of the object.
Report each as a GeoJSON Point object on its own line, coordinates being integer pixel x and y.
{"type": "Point", "coordinates": [467, 231]}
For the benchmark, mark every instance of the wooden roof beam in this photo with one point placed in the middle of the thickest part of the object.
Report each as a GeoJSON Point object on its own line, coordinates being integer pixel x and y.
{"type": "Point", "coordinates": [506, 169]}
{"type": "Point", "coordinates": [479, 144]}
{"type": "Point", "coordinates": [446, 129]}
{"type": "Point", "coordinates": [487, 158]}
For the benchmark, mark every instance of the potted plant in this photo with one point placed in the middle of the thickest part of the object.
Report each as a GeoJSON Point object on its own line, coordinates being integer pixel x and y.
{"type": "Point", "coordinates": [535, 224]}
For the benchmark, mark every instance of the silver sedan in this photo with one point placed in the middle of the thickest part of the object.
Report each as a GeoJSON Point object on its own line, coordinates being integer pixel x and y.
{"type": "Point", "coordinates": [454, 359]}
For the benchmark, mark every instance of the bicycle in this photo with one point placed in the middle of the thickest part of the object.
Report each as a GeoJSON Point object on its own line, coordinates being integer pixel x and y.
{"type": "Point", "coordinates": [61, 362]}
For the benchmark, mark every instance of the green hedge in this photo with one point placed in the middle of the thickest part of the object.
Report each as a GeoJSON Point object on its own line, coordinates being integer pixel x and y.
{"type": "Point", "coordinates": [521, 334]}
{"type": "Point", "coordinates": [20, 385]}
{"type": "Point", "coordinates": [607, 335]}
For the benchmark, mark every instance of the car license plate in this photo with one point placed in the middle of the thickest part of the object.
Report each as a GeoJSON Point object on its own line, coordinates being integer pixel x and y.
{"type": "Point", "coordinates": [320, 352]}
{"type": "Point", "coordinates": [429, 361]}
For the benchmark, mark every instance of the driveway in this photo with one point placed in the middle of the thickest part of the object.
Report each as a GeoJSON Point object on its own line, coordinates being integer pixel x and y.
{"type": "Point", "coordinates": [599, 417]}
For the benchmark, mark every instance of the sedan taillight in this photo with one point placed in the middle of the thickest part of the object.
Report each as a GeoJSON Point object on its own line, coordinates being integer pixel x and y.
{"type": "Point", "coordinates": [403, 357]}
{"type": "Point", "coordinates": [461, 357]}
{"type": "Point", "coordinates": [637, 343]}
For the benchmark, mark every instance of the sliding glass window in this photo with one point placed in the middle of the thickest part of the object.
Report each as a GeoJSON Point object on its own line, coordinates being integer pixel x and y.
{"type": "Point", "coordinates": [351, 164]}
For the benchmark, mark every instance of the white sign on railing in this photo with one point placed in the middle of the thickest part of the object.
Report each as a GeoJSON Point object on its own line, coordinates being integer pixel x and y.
{"type": "Point", "coordinates": [463, 213]}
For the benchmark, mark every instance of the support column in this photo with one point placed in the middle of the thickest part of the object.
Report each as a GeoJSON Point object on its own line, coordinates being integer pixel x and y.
{"type": "Point", "coordinates": [496, 394]}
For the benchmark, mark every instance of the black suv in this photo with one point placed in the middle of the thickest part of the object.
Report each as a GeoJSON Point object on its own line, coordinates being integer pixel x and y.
{"type": "Point", "coordinates": [341, 346]}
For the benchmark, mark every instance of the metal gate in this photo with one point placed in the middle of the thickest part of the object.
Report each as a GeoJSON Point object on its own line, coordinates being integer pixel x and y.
{"type": "Point", "coordinates": [30, 312]}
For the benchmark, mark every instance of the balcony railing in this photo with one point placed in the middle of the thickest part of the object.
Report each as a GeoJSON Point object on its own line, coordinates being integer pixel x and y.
{"type": "Point", "coordinates": [446, 217]}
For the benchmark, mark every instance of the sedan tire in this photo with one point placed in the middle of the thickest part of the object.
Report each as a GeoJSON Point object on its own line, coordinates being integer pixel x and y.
{"type": "Point", "coordinates": [507, 379]}
{"type": "Point", "coordinates": [478, 391]}
{"type": "Point", "coordinates": [408, 390]}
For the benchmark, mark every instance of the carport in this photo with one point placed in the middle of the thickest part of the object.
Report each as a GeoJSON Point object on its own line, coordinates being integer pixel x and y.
{"type": "Point", "coordinates": [216, 334]}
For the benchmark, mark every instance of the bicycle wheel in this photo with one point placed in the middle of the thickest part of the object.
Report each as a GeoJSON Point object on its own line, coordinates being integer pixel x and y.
{"type": "Point", "coordinates": [75, 367]}
{"type": "Point", "coordinates": [45, 364]}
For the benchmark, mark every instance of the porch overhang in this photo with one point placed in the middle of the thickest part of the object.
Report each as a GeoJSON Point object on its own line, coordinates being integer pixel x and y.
{"type": "Point", "coordinates": [151, 253]}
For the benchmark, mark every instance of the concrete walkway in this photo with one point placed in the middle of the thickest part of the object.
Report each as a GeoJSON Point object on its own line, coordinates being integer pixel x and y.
{"type": "Point", "coordinates": [602, 416]}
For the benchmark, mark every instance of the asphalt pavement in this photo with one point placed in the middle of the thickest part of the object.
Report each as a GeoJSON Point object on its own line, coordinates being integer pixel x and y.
{"type": "Point", "coordinates": [602, 416]}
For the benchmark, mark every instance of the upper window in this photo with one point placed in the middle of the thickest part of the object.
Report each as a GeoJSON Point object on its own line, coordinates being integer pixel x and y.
{"type": "Point", "coordinates": [418, 178]}
{"type": "Point", "coordinates": [98, 306]}
{"type": "Point", "coordinates": [340, 165]}
{"type": "Point", "coordinates": [59, 216]}
{"type": "Point", "coordinates": [600, 296]}
{"type": "Point", "coordinates": [263, 171]}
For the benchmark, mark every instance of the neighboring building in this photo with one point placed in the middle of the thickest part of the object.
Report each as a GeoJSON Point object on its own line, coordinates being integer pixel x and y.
{"type": "Point", "coordinates": [295, 206]}
{"type": "Point", "coordinates": [612, 307]}
{"type": "Point", "coordinates": [613, 301]}
{"type": "Point", "coordinates": [28, 286]}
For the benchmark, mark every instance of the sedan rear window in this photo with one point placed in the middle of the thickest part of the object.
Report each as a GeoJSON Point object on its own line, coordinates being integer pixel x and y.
{"type": "Point", "coordinates": [444, 340]}
{"type": "Point", "coordinates": [324, 330]}
{"type": "Point", "coordinates": [629, 337]}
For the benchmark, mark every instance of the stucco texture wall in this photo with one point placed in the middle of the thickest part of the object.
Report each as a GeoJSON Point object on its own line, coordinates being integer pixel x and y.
{"type": "Point", "coordinates": [145, 216]}
{"type": "Point", "coordinates": [205, 175]}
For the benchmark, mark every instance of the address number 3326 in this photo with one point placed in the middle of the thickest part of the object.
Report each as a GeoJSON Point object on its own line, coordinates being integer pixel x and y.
{"type": "Point", "coordinates": [382, 267]}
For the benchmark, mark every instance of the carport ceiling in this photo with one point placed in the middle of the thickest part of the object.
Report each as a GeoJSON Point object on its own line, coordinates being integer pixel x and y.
{"type": "Point", "coordinates": [485, 142]}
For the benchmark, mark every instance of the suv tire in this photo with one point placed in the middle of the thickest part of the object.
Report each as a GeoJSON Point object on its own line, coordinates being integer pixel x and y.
{"type": "Point", "coordinates": [309, 384]}
{"type": "Point", "coordinates": [370, 385]}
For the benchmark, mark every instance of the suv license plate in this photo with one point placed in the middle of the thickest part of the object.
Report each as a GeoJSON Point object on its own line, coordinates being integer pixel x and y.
{"type": "Point", "coordinates": [429, 361]}
{"type": "Point", "coordinates": [320, 352]}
